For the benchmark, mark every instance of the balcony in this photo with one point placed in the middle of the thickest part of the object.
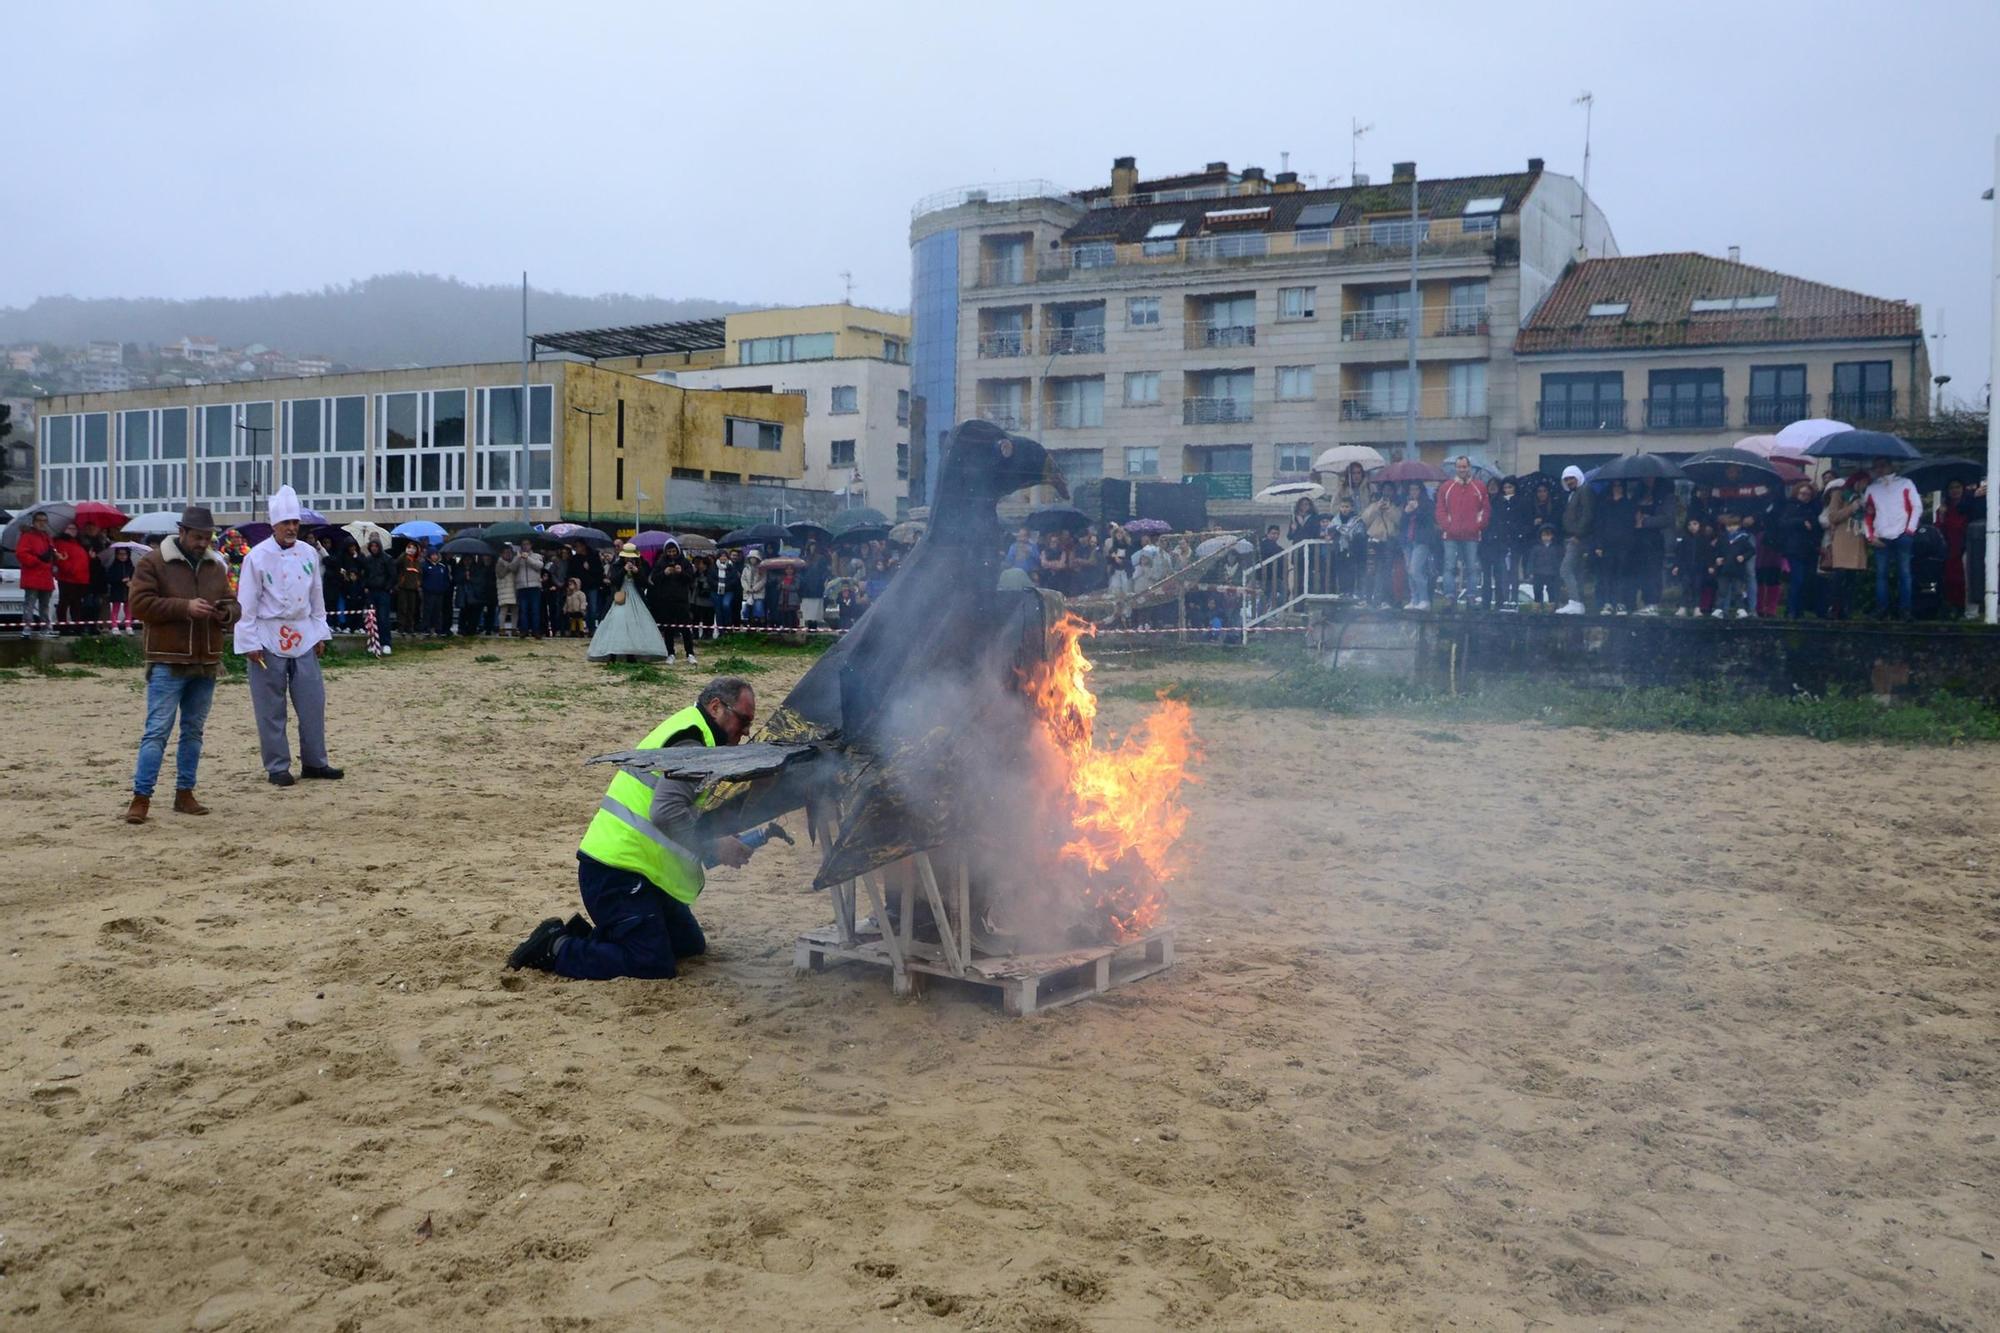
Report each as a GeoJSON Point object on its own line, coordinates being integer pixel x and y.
{"type": "Point", "coordinates": [1880, 406]}
{"type": "Point", "coordinates": [1009, 342]}
{"type": "Point", "coordinates": [1222, 485]}
{"type": "Point", "coordinates": [1776, 409]}
{"type": "Point", "coordinates": [1368, 326]}
{"type": "Point", "coordinates": [1687, 413]}
{"type": "Point", "coordinates": [1211, 333]}
{"type": "Point", "coordinates": [1011, 272]}
{"type": "Point", "coordinates": [1366, 243]}
{"type": "Point", "coordinates": [1007, 416]}
{"type": "Point", "coordinates": [1606, 414]}
{"type": "Point", "coordinates": [1370, 417]}
{"type": "Point", "coordinates": [1083, 340]}
{"type": "Point", "coordinates": [1215, 411]}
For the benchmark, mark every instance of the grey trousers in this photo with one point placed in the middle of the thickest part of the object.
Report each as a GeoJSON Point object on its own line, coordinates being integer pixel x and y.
{"type": "Point", "coordinates": [298, 677]}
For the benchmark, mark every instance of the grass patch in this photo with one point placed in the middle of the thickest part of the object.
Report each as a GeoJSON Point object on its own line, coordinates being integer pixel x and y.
{"type": "Point", "coordinates": [109, 650]}
{"type": "Point", "coordinates": [734, 665]}
{"type": "Point", "coordinates": [1694, 710]}
{"type": "Point", "coordinates": [487, 657]}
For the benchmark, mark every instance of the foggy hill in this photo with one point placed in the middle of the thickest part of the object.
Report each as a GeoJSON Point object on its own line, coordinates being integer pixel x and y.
{"type": "Point", "coordinates": [394, 319]}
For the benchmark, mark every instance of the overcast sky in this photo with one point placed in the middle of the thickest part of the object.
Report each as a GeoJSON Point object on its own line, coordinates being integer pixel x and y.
{"type": "Point", "coordinates": [754, 152]}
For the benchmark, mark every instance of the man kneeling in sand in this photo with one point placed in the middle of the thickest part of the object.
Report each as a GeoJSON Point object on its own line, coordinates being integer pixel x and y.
{"type": "Point", "coordinates": [642, 862]}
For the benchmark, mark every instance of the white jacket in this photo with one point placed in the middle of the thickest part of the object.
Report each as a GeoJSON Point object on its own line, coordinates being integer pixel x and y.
{"type": "Point", "coordinates": [284, 606]}
{"type": "Point", "coordinates": [1890, 508]}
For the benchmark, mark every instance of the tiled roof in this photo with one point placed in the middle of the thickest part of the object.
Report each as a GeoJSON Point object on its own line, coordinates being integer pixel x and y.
{"type": "Point", "coordinates": [1659, 292]}
{"type": "Point", "coordinates": [1435, 199]}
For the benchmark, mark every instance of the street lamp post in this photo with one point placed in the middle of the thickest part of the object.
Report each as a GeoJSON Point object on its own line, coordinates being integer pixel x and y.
{"type": "Point", "coordinates": [1993, 422]}
{"type": "Point", "coordinates": [256, 473]}
{"type": "Point", "coordinates": [589, 458]}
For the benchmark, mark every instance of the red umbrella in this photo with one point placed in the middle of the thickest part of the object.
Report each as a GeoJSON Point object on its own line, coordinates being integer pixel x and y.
{"type": "Point", "coordinates": [1410, 469]}
{"type": "Point", "coordinates": [97, 514]}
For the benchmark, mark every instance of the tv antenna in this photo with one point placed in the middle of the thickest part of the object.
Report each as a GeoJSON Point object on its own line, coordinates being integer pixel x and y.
{"type": "Point", "coordinates": [848, 278]}
{"type": "Point", "coordinates": [1354, 149]}
{"type": "Point", "coordinates": [1588, 101]}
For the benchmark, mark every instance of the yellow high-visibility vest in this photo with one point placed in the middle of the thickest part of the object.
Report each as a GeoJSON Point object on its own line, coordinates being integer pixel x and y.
{"type": "Point", "coordinates": [622, 833]}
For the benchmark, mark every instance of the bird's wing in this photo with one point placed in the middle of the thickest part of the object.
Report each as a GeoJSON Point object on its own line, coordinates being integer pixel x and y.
{"type": "Point", "coordinates": [713, 763]}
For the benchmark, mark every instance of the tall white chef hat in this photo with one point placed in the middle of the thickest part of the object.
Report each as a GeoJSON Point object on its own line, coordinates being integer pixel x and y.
{"type": "Point", "coordinates": [284, 504]}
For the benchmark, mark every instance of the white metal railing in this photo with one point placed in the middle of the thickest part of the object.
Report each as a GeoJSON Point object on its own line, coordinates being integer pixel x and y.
{"type": "Point", "coordinates": [1434, 404]}
{"type": "Point", "coordinates": [1220, 333]}
{"type": "Point", "coordinates": [1003, 272]}
{"type": "Point", "coordinates": [1216, 411]}
{"type": "Point", "coordinates": [1003, 192]}
{"type": "Point", "coordinates": [1007, 416]}
{"type": "Point", "coordinates": [1010, 342]}
{"type": "Point", "coordinates": [1083, 340]}
{"type": "Point", "coordinates": [1369, 241]}
{"type": "Point", "coordinates": [1170, 196]}
{"type": "Point", "coordinates": [1435, 321]}
{"type": "Point", "coordinates": [1277, 583]}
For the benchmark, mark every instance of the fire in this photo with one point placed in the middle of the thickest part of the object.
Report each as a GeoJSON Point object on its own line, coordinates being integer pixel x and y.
{"type": "Point", "coordinates": [1124, 801]}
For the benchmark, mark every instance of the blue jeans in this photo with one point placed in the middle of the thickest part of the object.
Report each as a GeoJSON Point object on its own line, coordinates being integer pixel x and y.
{"type": "Point", "coordinates": [1418, 565]}
{"type": "Point", "coordinates": [1897, 548]}
{"type": "Point", "coordinates": [637, 930]}
{"type": "Point", "coordinates": [1454, 553]}
{"type": "Point", "coordinates": [167, 694]}
{"type": "Point", "coordinates": [385, 605]}
{"type": "Point", "coordinates": [530, 613]}
{"type": "Point", "coordinates": [1803, 593]}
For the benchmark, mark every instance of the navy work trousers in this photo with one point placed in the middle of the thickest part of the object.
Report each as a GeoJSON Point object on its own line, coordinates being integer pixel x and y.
{"type": "Point", "coordinates": [637, 930]}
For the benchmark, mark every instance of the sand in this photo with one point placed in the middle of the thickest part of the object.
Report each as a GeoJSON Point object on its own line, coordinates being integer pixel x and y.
{"type": "Point", "coordinates": [1496, 1027]}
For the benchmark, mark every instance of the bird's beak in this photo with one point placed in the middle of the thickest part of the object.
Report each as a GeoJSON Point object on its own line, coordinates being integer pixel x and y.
{"type": "Point", "coordinates": [1052, 476]}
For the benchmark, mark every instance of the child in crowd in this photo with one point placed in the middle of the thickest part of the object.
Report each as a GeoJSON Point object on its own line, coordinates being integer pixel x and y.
{"type": "Point", "coordinates": [1735, 568]}
{"type": "Point", "coordinates": [118, 590]}
{"type": "Point", "coordinates": [1689, 567]}
{"type": "Point", "coordinates": [1545, 560]}
{"type": "Point", "coordinates": [576, 608]}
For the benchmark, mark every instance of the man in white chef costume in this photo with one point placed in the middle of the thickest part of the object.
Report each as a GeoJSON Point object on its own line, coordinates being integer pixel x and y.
{"type": "Point", "coordinates": [281, 635]}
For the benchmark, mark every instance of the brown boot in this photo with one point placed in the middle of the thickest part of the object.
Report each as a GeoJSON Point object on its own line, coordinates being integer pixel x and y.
{"type": "Point", "coordinates": [186, 804]}
{"type": "Point", "coordinates": [135, 813]}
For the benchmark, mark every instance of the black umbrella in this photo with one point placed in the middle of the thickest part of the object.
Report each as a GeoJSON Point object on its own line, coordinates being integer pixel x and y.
{"type": "Point", "coordinates": [1712, 468]}
{"type": "Point", "coordinates": [859, 517]}
{"type": "Point", "coordinates": [757, 534]}
{"type": "Point", "coordinates": [510, 530]}
{"type": "Point", "coordinates": [809, 531]}
{"type": "Point", "coordinates": [1934, 474]}
{"type": "Point", "coordinates": [861, 532]}
{"type": "Point", "coordinates": [1053, 518]}
{"type": "Point", "coordinates": [468, 546]}
{"type": "Point", "coordinates": [1862, 444]}
{"type": "Point", "coordinates": [1641, 467]}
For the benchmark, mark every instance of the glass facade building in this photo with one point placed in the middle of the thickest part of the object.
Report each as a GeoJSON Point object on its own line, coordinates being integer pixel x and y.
{"type": "Point", "coordinates": [934, 344]}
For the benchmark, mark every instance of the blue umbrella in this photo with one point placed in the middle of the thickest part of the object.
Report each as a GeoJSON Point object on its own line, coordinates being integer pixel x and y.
{"type": "Point", "coordinates": [420, 529]}
{"type": "Point", "coordinates": [1862, 444]}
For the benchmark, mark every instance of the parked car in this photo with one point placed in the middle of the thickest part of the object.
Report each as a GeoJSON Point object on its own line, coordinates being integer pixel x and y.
{"type": "Point", "coordinates": [13, 602]}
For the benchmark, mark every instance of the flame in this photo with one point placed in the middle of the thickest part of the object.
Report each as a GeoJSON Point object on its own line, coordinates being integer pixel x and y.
{"type": "Point", "coordinates": [1123, 801]}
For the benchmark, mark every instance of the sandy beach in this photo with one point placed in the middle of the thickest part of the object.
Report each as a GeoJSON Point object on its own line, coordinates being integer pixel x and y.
{"type": "Point", "coordinates": [1493, 1027]}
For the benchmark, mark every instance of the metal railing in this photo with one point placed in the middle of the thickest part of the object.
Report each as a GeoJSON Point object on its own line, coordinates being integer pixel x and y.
{"type": "Point", "coordinates": [1005, 415]}
{"type": "Point", "coordinates": [1216, 411]}
{"type": "Point", "coordinates": [1439, 404]}
{"type": "Point", "coordinates": [1878, 406]}
{"type": "Point", "coordinates": [1010, 342]}
{"type": "Point", "coordinates": [1438, 321]}
{"type": "Point", "coordinates": [1367, 242]}
{"type": "Point", "coordinates": [1776, 409]}
{"type": "Point", "coordinates": [1003, 272]}
{"type": "Point", "coordinates": [1084, 340]}
{"type": "Point", "coordinates": [1003, 192]}
{"type": "Point", "coordinates": [1277, 583]}
{"type": "Point", "coordinates": [1687, 413]}
{"type": "Point", "coordinates": [1218, 333]}
{"type": "Point", "coordinates": [1604, 414]}
{"type": "Point", "coordinates": [1369, 326]}
{"type": "Point", "coordinates": [1180, 196]}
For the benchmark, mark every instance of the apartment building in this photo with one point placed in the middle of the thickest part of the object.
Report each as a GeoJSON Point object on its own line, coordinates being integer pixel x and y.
{"type": "Point", "coordinates": [1222, 328]}
{"type": "Point", "coordinates": [847, 364]}
{"type": "Point", "coordinates": [1677, 353]}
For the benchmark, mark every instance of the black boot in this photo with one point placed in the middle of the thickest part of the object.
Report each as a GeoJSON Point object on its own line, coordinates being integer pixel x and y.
{"type": "Point", "coordinates": [539, 949]}
{"type": "Point", "coordinates": [577, 927]}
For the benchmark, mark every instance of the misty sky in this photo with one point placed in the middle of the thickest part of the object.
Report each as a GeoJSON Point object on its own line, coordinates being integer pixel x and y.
{"type": "Point", "coordinates": [753, 152]}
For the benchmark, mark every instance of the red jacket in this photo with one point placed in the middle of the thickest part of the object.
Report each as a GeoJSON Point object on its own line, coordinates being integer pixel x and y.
{"type": "Point", "coordinates": [1462, 510]}
{"type": "Point", "coordinates": [38, 572]}
{"type": "Point", "coordinates": [72, 561]}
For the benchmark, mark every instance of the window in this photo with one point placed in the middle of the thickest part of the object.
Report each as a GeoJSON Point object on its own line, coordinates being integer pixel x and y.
{"type": "Point", "coordinates": [1489, 204]}
{"type": "Point", "coordinates": [1607, 309]}
{"type": "Point", "coordinates": [1684, 400]}
{"type": "Point", "coordinates": [1005, 260]}
{"type": "Point", "coordinates": [1316, 216]}
{"type": "Point", "coordinates": [1227, 321]}
{"type": "Point", "coordinates": [1005, 332]}
{"type": "Point", "coordinates": [1863, 391]}
{"type": "Point", "coordinates": [1465, 310]}
{"type": "Point", "coordinates": [1076, 330]}
{"type": "Point", "coordinates": [1295, 383]}
{"type": "Point", "coordinates": [1142, 462]}
{"type": "Point", "coordinates": [1220, 396]}
{"type": "Point", "coordinates": [1142, 312]}
{"type": "Point", "coordinates": [1594, 401]}
{"type": "Point", "coordinates": [1094, 254]}
{"type": "Point", "coordinates": [791, 347]}
{"type": "Point", "coordinates": [1228, 459]}
{"type": "Point", "coordinates": [1142, 388]}
{"type": "Point", "coordinates": [842, 455]}
{"type": "Point", "coordinates": [683, 473]}
{"type": "Point", "coordinates": [420, 440]}
{"type": "Point", "coordinates": [1384, 314]}
{"type": "Point", "coordinates": [1076, 403]}
{"type": "Point", "coordinates": [902, 460]}
{"type": "Point", "coordinates": [1161, 239]}
{"type": "Point", "coordinates": [1294, 460]}
{"type": "Point", "coordinates": [846, 400]}
{"type": "Point", "coordinates": [1708, 304]}
{"type": "Point", "coordinates": [1004, 403]}
{"type": "Point", "coordinates": [1297, 302]}
{"type": "Point", "coordinates": [1384, 392]}
{"type": "Point", "coordinates": [1465, 389]}
{"type": "Point", "coordinates": [902, 407]}
{"type": "Point", "coordinates": [748, 433]}
{"type": "Point", "coordinates": [76, 457]}
{"type": "Point", "coordinates": [1164, 231]}
{"type": "Point", "coordinates": [1482, 215]}
{"type": "Point", "coordinates": [152, 459]}
{"type": "Point", "coordinates": [323, 451]}
{"type": "Point", "coordinates": [1777, 396]}
{"type": "Point", "coordinates": [1398, 232]}
{"type": "Point", "coordinates": [234, 446]}
{"type": "Point", "coordinates": [497, 458]}
{"type": "Point", "coordinates": [894, 349]}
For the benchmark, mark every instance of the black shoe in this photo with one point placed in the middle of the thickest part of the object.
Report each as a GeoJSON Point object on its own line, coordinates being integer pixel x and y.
{"type": "Point", "coordinates": [578, 927]}
{"type": "Point", "coordinates": [539, 949]}
{"type": "Point", "coordinates": [284, 779]}
{"type": "Point", "coordinates": [329, 773]}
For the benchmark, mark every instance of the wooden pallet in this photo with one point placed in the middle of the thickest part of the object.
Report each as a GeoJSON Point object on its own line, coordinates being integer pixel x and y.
{"type": "Point", "coordinates": [1028, 983]}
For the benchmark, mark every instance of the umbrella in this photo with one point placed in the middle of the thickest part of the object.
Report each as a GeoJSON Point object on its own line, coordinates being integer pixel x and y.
{"type": "Point", "coordinates": [1148, 527]}
{"type": "Point", "coordinates": [510, 530]}
{"type": "Point", "coordinates": [1934, 474]}
{"type": "Point", "coordinates": [60, 515]}
{"type": "Point", "coordinates": [1770, 446]}
{"type": "Point", "coordinates": [801, 531]}
{"type": "Point", "coordinates": [364, 532]}
{"type": "Point", "coordinates": [252, 533]}
{"type": "Point", "coordinates": [1790, 470]}
{"type": "Point", "coordinates": [1811, 432]}
{"type": "Point", "coordinates": [419, 529]}
{"type": "Point", "coordinates": [6, 516]}
{"type": "Point", "coordinates": [652, 539]}
{"type": "Point", "coordinates": [154, 525]}
{"type": "Point", "coordinates": [1712, 468]}
{"type": "Point", "coordinates": [1292, 490]}
{"type": "Point", "coordinates": [136, 548]}
{"type": "Point", "coordinates": [861, 516]}
{"type": "Point", "coordinates": [468, 546]}
{"type": "Point", "coordinates": [1862, 444]}
{"type": "Point", "coordinates": [311, 518]}
{"type": "Point", "coordinates": [578, 533]}
{"type": "Point", "coordinates": [757, 534]}
{"type": "Point", "coordinates": [1410, 469]}
{"type": "Point", "coordinates": [1214, 544]}
{"type": "Point", "coordinates": [861, 532]}
{"type": "Point", "coordinates": [1050, 518]}
{"type": "Point", "coordinates": [1337, 458]}
{"type": "Point", "coordinates": [908, 534]}
{"type": "Point", "coordinates": [97, 514]}
{"type": "Point", "coordinates": [784, 562]}
{"type": "Point", "coordinates": [695, 544]}
{"type": "Point", "coordinates": [1640, 467]}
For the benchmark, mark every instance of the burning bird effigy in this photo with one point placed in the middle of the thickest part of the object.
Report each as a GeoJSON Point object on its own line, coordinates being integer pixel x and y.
{"type": "Point", "coordinates": [945, 754]}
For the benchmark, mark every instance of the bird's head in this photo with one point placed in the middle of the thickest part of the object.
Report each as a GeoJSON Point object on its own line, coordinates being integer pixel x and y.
{"type": "Point", "coordinates": [983, 462]}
